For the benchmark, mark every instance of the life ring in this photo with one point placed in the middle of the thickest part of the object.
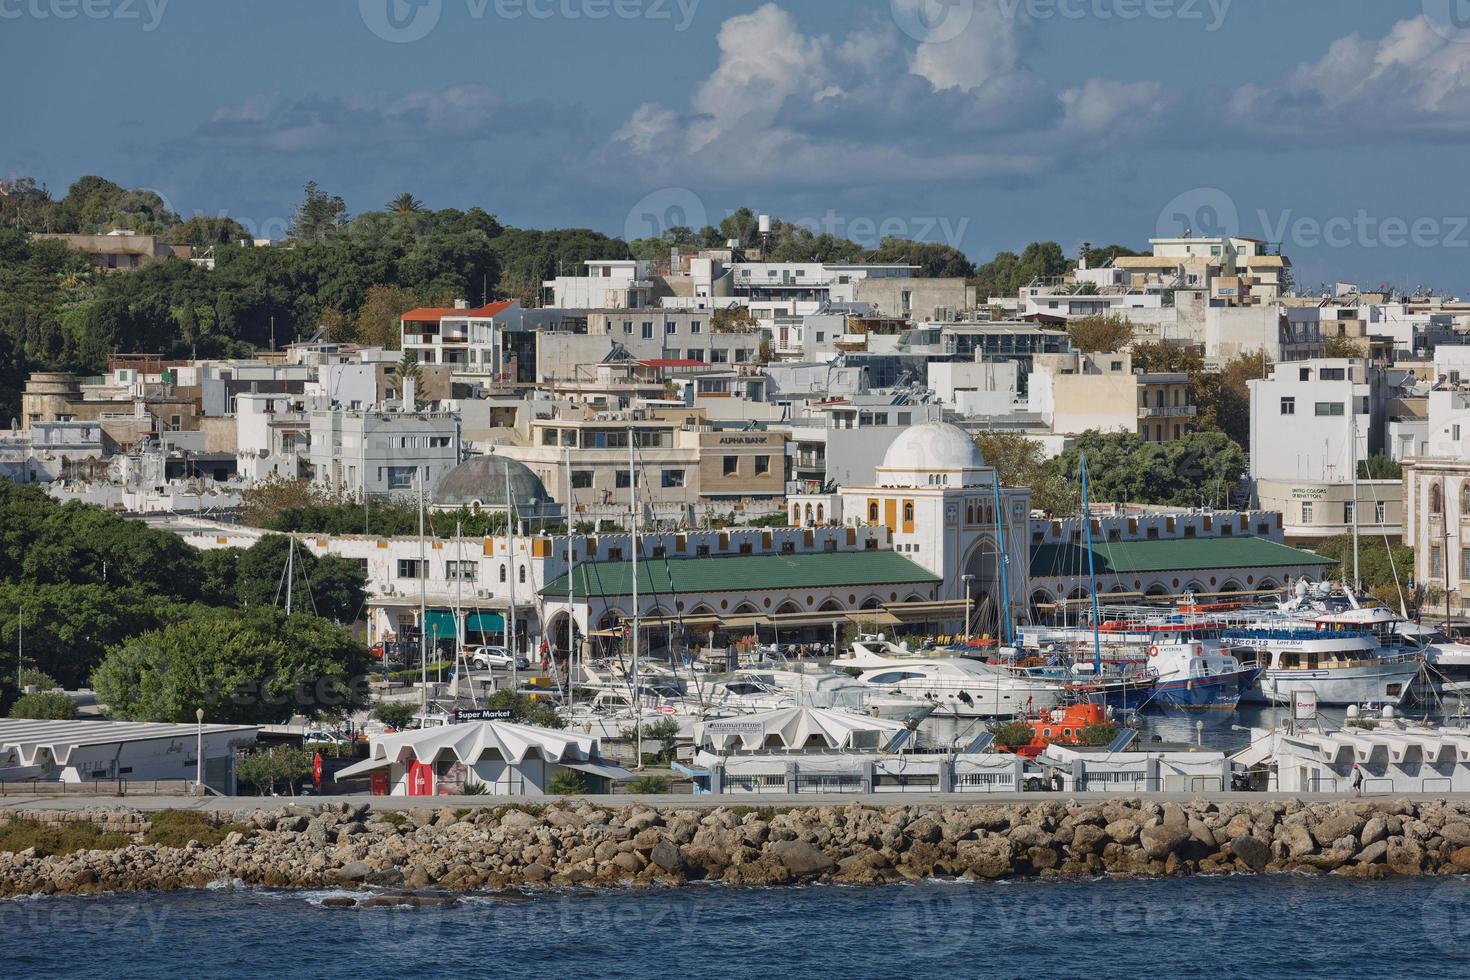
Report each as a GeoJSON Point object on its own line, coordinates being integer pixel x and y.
{"type": "Point", "coordinates": [1153, 650]}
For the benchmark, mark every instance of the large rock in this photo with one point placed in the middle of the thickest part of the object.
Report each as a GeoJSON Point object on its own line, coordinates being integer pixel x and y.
{"type": "Point", "coordinates": [989, 857]}
{"type": "Point", "coordinates": [1253, 851]}
{"type": "Point", "coordinates": [1375, 830]}
{"type": "Point", "coordinates": [1405, 857]}
{"type": "Point", "coordinates": [1161, 840]}
{"type": "Point", "coordinates": [802, 858]}
{"type": "Point", "coordinates": [1338, 825]}
{"type": "Point", "coordinates": [666, 856]}
{"type": "Point", "coordinates": [1373, 853]}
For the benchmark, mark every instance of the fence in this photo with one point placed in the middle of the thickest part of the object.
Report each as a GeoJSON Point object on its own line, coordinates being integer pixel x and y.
{"type": "Point", "coordinates": [99, 787]}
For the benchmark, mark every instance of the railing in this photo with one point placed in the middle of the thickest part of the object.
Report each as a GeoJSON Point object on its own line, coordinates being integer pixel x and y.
{"type": "Point", "coordinates": [1168, 411]}
{"type": "Point", "coordinates": [96, 787]}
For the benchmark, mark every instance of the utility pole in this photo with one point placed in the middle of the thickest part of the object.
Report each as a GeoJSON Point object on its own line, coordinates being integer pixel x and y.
{"type": "Point", "coordinates": [633, 517]}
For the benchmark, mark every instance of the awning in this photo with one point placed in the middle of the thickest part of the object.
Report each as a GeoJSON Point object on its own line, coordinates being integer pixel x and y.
{"type": "Point", "coordinates": [605, 770]}
{"type": "Point", "coordinates": [440, 622]}
{"type": "Point", "coordinates": [360, 769]}
{"type": "Point", "coordinates": [745, 622]}
{"type": "Point", "coordinates": [484, 622]}
{"type": "Point", "coordinates": [865, 617]}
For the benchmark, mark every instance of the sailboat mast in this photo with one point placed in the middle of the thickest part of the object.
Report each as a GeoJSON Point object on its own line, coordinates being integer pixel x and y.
{"type": "Point", "coordinates": [290, 569]}
{"type": "Point", "coordinates": [510, 547]}
{"type": "Point", "coordinates": [1353, 450]}
{"type": "Point", "coordinates": [423, 614]}
{"type": "Point", "coordinates": [571, 584]}
{"type": "Point", "coordinates": [1005, 560]}
{"type": "Point", "coordinates": [633, 516]}
{"type": "Point", "coordinates": [1091, 570]}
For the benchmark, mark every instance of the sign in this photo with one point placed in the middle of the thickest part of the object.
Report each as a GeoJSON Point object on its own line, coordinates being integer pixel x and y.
{"type": "Point", "coordinates": [734, 728]}
{"type": "Point", "coordinates": [380, 784]}
{"type": "Point", "coordinates": [316, 769]}
{"type": "Point", "coordinates": [481, 714]}
{"type": "Point", "coordinates": [420, 779]}
{"type": "Point", "coordinates": [1304, 704]}
{"type": "Point", "coordinates": [1308, 493]}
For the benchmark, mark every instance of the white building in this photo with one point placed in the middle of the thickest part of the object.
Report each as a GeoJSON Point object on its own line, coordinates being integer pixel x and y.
{"type": "Point", "coordinates": [477, 344]}
{"type": "Point", "coordinates": [121, 752]}
{"type": "Point", "coordinates": [380, 451]}
{"type": "Point", "coordinates": [494, 758]}
{"type": "Point", "coordinates": [1315, 419]}
{"type": "Point", "coordinates": [608, 284]}
{"type": "Point", "coordinates": [1437, 524]}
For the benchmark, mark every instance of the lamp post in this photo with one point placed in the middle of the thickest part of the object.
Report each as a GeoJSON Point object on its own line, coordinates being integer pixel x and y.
{"type": "Point", "coordinates": [199, 752]}
{"type": "Point", "coordinates": [967, 579]}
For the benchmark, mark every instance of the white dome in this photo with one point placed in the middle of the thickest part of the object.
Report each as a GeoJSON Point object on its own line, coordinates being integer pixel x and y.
{"type": "Point", "coordinates": [931, 447]}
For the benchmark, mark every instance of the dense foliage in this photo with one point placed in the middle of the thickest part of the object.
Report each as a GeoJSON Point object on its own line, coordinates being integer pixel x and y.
{"type": "Point", "coordinates": [1384, 570]}
{"type": "Point", "coordinates": [83, 581]}
{"type": "Point", "coordinates": [44, 706]}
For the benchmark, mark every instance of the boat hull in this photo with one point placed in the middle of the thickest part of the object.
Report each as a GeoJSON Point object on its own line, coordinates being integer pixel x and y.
{"type": "Point", "coordinates": [1383, 683]}
{"type": "Point", "coordinates": [1116, 694]}
{"type": "Point", "coordinates": [1219, 692]}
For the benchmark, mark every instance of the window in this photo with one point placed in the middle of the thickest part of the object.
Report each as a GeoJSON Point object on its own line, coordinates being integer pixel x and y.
{"type": "Point", "coordinates": [408, 568]}
{"type": "Point", "coordinates": [762, 465]}
{"type": "Point", "coordinates": [523, 574]}
{"type": "Point", "coordinates": [581, 479]}
{"type": "Point", "coordinates": [1436, 499]}
{"type": "Point", "coordinates": [695, 353]}
{"type": "Point", "coordinates": [1305, 374]}
{"type": "Point", "coordinates": [1380, 513]}
{"type": "Point", "coordinates": [1330, 408]}
{"type": "Point", "coordinates": [502, 571]}
{"type": "Point", "coordinates": [669, 328]}
{"type": "Point", "coordinates": [1115, 365]}
{"type": "Point", "coordinates": [673, 478]}
{"type": "Point", "coordinates": [732, 465]}
{"type": "Point", "coordinates": [1288, 406]}
{"type": "Point", "coordinates": [548, 437]}
{"type": "Point", "coordinates": [627, 326]}
{"type": "Point", "coordinates": [1436, 561]}
{"type": "Point", "coordinates": [1306, 512]}
{"type": "Point", "coordinates": [719, 355]}
{"type": "Point", "coordinates": [401, 477]}
{"type": "Point", "coordinates": [741, 355]}
{"type": "Point", "coordinates": [873, 513]}
{"type": "Point", "coordinates": [908, 512]}
{"type": "Point", "coordinates": [1331, 374]}
{"type": "Point", "coordinates": [1347, 512]}
{"type": "Point", "coordinates": [701, 551]}
{"type": "Point", "coordinates": [623, 479]}
{"type": "Point", "coordinates": [459, 571]}
{"type": "Point", "coordinates": [647, 329]}
{"type": "Point", "coordinates": [1464, 564]}
{"type": "Point", "coordinates": [694, 326]}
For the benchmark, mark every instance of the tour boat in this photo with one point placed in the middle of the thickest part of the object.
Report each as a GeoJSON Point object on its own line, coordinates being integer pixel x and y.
{"type": "Point", "coordinates": [1339, 666]}
{"type": "Point", "coordinates": [1198, 673]}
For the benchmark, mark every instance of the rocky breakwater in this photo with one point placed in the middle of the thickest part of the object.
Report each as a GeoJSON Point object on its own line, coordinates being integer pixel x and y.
{"type": "Point", "coordinates": [581, 843]}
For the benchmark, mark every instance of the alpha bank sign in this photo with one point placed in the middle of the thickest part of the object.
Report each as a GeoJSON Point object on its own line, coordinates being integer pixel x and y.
{"type": "Point", "coordinates": [745, 440]}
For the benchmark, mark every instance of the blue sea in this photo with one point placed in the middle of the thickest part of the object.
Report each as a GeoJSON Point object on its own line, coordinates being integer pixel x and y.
{"type": "Point", "coordinates": [1271, 926]}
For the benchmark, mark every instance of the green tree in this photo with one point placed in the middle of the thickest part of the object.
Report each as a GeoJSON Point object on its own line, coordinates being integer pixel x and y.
{"type": "Point", "coordinates": [395, 714]}
{"type": "Point", "coordinates": [1199, 468]}
{"type": "Point", "coordinates": [567, 783]}
{"type": "Point", "coordinates": [259, 667]}
{"type": "Point", "coordinates": [1013, 735]}
{"type": "Point", "coordinates": [1022, 463]}
{"type": "Point", "coordinates": [1098, 334]}
{"type": "Point", "coordinates": [1005, 274]}
{"type": "Point", "coordinates": [405, 203]}
{"type": "Point", "coordinates": [330, 587]}
{"type": "Point", "coordinates": [1344, 347]}
{"type": "Point", "coordinates": [265, 769]}
{"type": "Point", "coordinates": [525, 710]}
{"type": "Point", "coordinates": [44, 706]}
{"type": "Point", "coordinates": [1379, 466]}
{"type": "Point", "coordinates": [319, 215]}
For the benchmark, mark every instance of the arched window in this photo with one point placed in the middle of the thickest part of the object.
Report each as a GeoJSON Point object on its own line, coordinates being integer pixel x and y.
{"type": "Point", "coordinates": [502, 571]}
{"type": "Point", "coordinates": [873, 512]}
{"type": "Point", "coordinates": [1436, 499]}
{"type": "Point", "coordinates": [1465, 499]}
{"type": "Point", "coordinates": [523, 574]}
{"type": "Point", "coordinates": [908, 511]}
{"type": "Point", "coordinates": [808, 513]}
{"type": "Point", "coordinates": [820, 514]}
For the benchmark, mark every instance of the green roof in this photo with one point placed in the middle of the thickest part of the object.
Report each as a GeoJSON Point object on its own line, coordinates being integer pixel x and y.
{"type": "Point", "coordinates": [734, 573]}
{"type": "Point", "coordinates": [1168, 555]}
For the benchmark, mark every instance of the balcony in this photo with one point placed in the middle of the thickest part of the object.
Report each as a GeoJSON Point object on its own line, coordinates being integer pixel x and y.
{"type": "Point", "coordinates": [1169, 412]}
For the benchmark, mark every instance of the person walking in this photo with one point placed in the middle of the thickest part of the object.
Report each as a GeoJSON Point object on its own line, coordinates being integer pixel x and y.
{"type": "Point", "coordinates": [1357, 780]}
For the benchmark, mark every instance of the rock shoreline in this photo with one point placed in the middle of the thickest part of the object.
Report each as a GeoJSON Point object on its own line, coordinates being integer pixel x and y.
{"type": "Point", "coordinates": [581, 843]}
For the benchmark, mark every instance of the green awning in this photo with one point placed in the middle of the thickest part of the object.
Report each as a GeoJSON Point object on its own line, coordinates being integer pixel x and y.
{"type": "Point", "coordinates": [730, 573]}
{"type": "Point", "coordinates": [1168, 555]}
{"type": "Point", "coordinates": [484, 622]}
{"type": "Point", "coordinates": [440, 623]}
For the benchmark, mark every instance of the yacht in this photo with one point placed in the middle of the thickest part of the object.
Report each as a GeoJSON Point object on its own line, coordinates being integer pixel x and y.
{"type": "Point", "coordinates": [1198, 673]}
{"type": "Point", "coordinates": [824, 689]}
{"type": "Point", "coordinates": [1340, 666]}
{"type": "Point", "coordinates": [957, 686]}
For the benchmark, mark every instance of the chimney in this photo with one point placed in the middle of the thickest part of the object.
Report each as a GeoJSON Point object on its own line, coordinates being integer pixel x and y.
{"type": "Point", "coordinates": [408, 394]}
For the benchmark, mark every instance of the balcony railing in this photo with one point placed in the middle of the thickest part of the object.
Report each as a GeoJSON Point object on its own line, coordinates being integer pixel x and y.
{"type": "Point", "coordinates": [1168, 412]}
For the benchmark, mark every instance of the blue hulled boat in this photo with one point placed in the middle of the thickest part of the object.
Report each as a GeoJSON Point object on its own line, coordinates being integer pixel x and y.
{"type": "Point", "coordinates": [1198, 674]}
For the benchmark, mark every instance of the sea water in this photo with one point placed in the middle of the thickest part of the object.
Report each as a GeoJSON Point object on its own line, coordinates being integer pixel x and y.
{"type": "Point", "coordinates": [1216, 927]}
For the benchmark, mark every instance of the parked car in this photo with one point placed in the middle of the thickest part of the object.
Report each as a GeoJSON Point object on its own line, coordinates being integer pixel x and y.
{"type": "Point", "coordinates": [325, 738]}
{"type": "Point", "coordinates": [490, 658]}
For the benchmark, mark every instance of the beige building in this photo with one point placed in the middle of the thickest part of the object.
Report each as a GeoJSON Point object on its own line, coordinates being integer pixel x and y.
{"type": "Point", "coordinates": [1437, 524]}
{"type": "Point", "coordinates": [120, 250]}
{"type": "Point", "coordinates": [917, 298]}
{"type": "Point", "coordinates": [1101, 391]}
{"type": "Point", "coordinates": [1312, 511]}
{"type": "Point", "coordinates": [679, 462]}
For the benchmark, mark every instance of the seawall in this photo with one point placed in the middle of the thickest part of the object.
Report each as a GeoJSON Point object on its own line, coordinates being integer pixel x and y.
{"type": "Point", "coordinates": [581, 843]}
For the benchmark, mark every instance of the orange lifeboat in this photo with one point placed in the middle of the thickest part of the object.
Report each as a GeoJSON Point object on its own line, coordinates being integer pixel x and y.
{"type": "Point", "coordinates": [1060, 726]}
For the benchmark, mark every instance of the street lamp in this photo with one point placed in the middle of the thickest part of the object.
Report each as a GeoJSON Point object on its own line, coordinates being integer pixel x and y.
{"type": "Point", "coordinates": [199, 752]}
{"type": "Point", "coordinates": [967, 579]}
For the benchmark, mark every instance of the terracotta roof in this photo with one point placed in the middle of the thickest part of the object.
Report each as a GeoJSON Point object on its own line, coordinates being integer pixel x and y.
{"type": "Point", "coordinates": [433, 314]}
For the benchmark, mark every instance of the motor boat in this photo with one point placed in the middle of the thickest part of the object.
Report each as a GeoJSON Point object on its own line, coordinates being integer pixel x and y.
{"type": "Point", "coordinates": [1198, 673]}
{"type": "Point", "coordinates": [1340, 666]}
{"type": "Point", "coordinates": [825, 689]}
{"type": "Point", "coordinates": [957, 686]}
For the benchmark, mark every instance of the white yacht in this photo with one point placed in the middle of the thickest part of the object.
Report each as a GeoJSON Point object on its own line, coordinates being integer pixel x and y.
{"type": "Point", "coordinates": [1340, 666]}
{"type": "Point", "coordinates": [957, 686]}
{"type": "Point", "coordinates": [824, 689]}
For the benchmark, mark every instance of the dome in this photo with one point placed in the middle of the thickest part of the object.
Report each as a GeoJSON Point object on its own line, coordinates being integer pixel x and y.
{"type": "Point", "coordinates": [931, 447]}
{"type": "Point", "coordinates": [481, 480]}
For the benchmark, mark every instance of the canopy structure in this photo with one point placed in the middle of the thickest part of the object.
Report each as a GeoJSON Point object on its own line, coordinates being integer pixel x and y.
{"type": "Point", "coordinates": [472, 741]}
{"type": "Point", "coordinates": [795, 728]}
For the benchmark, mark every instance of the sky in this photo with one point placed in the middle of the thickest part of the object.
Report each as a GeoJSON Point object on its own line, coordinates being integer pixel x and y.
{"type": "Point", "coordinates": [1338, 128]}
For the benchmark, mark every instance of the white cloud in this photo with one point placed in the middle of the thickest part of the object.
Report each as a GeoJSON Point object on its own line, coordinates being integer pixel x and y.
{"type": "Point", "coordinates": [1413, 81]}
{"type": "Point", "coordinates": [874, 105]}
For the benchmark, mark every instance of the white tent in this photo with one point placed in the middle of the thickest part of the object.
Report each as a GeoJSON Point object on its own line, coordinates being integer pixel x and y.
{"type": "Point", "coordinates": [508, 758]}
{"type": "Point", "coordinates": [796, 728]}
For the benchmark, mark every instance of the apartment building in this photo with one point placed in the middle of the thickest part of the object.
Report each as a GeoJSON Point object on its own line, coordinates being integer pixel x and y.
{"type": "Point", "coordinates": [645, 335]}
{"type": "Point", "coordinates": [1079, 392]}
{"type": "Point", "coordinates": [494, 343]}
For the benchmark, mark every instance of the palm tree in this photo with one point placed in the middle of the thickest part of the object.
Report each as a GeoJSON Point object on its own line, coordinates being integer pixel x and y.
{"type": "Point", "coordinates": [405, 203]}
